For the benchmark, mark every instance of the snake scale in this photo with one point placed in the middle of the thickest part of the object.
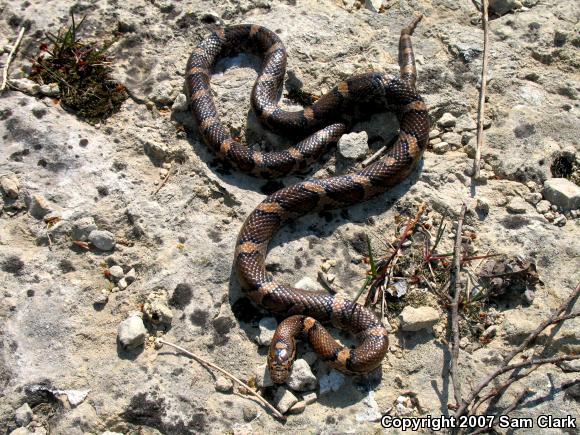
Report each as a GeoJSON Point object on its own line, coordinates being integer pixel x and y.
{"type": "Point", "coordinates": [307, 310]}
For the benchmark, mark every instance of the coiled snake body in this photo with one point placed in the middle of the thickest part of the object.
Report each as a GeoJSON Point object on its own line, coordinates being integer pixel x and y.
{"type": "Point", "coordinates": [306, 308]}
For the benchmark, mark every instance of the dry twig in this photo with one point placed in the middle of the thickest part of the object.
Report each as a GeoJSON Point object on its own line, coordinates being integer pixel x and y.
{"type": "Point", "coordinates": [9, 60]}
{"type": "Point", "coordinates": [228, 374]}
{"type": "Point", "coordinates": [556, 317]}
{"type": "Point", "coordinates": [164, 180]}
{"type": "Point", "coordinates": [455, 284]}
{"type": "Point", "coordinates": [480, 108]}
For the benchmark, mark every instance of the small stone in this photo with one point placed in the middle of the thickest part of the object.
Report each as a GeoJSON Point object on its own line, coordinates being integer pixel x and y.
{"type": "Point", "coordinates": [562, 192]}
{"type": "Point", "coordinates": [482, 206]}
{"type": "Point", "coordinates": [249, 412]}
{"type": "Point", "coordinates": [549, 216]}
{"type": "Point", "coordinates": [415, 319]}
{"type": "Point", "coordinates": [517, 205]}
{"type": "Point", "coordinates": [441, 148]}
{"type": "Point", "coordinates": [353, 146]}
{"type": "Point", "coordinates": [82, 227]}
{"type": "Point", "coordinates": [331, 382]}
{"type": "Point", "coordinates": [224, 385]}
{"type": "Point", "coordinates": [39, 206]}
{"type": "Point", "coordinates": [263, 378]}
{"type": "Point", "coordinates": [453, 139]}
{"type": "Point", "coordinates": [163, 93]}
{"type": "Point", "coordinates": [116, 272]}
{"type": "Point", "coordinates": [298, 407]}
{"type": "Point", "coordinates": [373, 5]}
{"type": "Point", "coordinates": [371, 412]}
{"type": "Point", "coordinates": [543, 206]}
{"type": "Point", "coordinates": [102, 240]}
{"type": "Point", "coordinates": [554, 208]}
{"type": "Point", "coordinates": [156, 151]}
{"type": "Point", "coordinates": [101, 298]}
{"type": "Point", "coordinates": [434, 133]}
{"type": "Point", "coordinates": [122, 284]}
{"type": "Point", "coordinates": [23, 415]}
{"type": "Point", "coordinates": [447, 120]}
{"type": "Point", "coordinates": [284, 400]}
{"type": "Point", "coordinates": [435, 141]}
{"type": "Point", "coordinates": [50, 90]}
{"type": "Point", "coordinates": [130, 276]}
{"type": "Point", "coordinates": [267, 327]}
{"type": "Point", "coordinates": [533, 198]}
{"type": "Point", "coordinates": [310, 398]}
{"type": "Point", "coordinates": [131, 332]}
{"type": "Point", "coordinates": [309, 284]}
{"type": "Point", "coordinates": [490, 332]}
{"type": "Point", "coordinates": [10, 186]}
{"type": "Point", "coordinates": [560, 220]}
{"type": "Point", "coordinates": [465, 123]}
{"type": "Point", "coordinates": [330, 277]}
{"type": "Point", "coordinates": [157, 312]}
{"type": "Point", "coordinates": [180, 104]}
{"type": "Point", "coordinates": [501, 7]}
{"type": "Point", "coordinates": [301, 377]}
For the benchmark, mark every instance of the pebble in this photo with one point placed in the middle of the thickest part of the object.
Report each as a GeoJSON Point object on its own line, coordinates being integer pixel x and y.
{"type": "Point", "coordinates": [301, 377]}
{"type": "Point", "coordinates": [482, 205]}
{"type": "Point", "coordinates": [465, 122]}
{"type": "Point", "coordinates": [130, 276]}
{"type": "Point", "coordinates": [441, 148]}
{"type": "Point", "coordinates": [157, 312]}
{"type": "Point", "coordinates": [309, 284]}
{"type": "Point", "coordinates": [549, 216]}
{"type": "Point", "coordinates": [490, 332]}
{"type": "Point", "coordinates": [447, 120]}
{"type": "Point", "coordinates": [39, 206]}
{"type": "Point", "coordinates": [116, 272]}
{"type": "Point", "coordinates": [284, 400]}
{"type": "Point", "coordinates": [452, 138]}
{"type": "Point", "coordinates": [131, 332]}
{"type": "Point", "coordinates": [163, 93]}
{"type": "Point", "coordinates": [298, 407]}
{"type": "Point", "coordinates": [435, 141]}
{"type": "Point", "coordinates": [10, 186]}
{"type": "Point", "coordinates": [434, 133]}
{"type": "Point", "coordinates": [224, 385]}
{"type": "Point", "coordinates": [102, 240]}
{"type": "Point", "coordinates": [82, 227]}
{"type": "Point", "coordinates": [180, 103]}
{"type": "Point", "coordinates": [517, 205]}
{"type": "Point", "coordinates": [373, 5]}
{"type": "Point", "coordinates": [310, 398]}
{"type": "Point", "coordinates": [331, 382]}
{"type": "Point", "coordinates": [501, 7]}
{"type": "Point", "coordinates": [267, 327]}
{"type": "Point", "coordinates": [263, 378]}
{"type": "Point", "coordinates": [122, 284]}
{"type": "Point", "coordinates": [101, 298]}
{"type": "Point", "coordinates": [562, 192]}
{"type": "Point", "coordinates": [353, 146]}
{"type": "Point", "coordinates": [415, 319]}
{"type": "Point", "coordinates": [50, 90]}
{"type": "Point", "coordinates": [533, 198]}
{"type": "Point", "coordinates": [560, 220]}
{"type": "Point", "coordinates": [249, 412]}
{"type": "Point", "coordinates": [23, 415]}
{"type": "Point", "coordinates": [543, 206]}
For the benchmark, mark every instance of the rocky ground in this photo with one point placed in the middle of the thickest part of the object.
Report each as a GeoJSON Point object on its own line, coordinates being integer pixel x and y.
{"type": "Point", "coordinates": [78, 325]}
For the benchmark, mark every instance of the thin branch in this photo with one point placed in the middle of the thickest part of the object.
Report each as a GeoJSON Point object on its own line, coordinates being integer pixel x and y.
{"type": "Point", "coordinates": [554, 318]}
{"type": "Point", "coordinates": [228, 374]}
{"type": "Point", "coordinates": [509, 409]}
{"type": "Point", "coordinates": [374, 157]}
{"type": "Point", "coordinates": [455, 284]}
{"type": "Point", "coordinates": [9, 61]}
{"type": "Point", "coordinates": [480, 108]}
{"type": "Point", "coordinates": [164, 180]}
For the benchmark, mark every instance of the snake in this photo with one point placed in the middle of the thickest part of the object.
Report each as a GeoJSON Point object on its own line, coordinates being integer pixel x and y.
{"type": "Point", "coordinates": [322, 124]}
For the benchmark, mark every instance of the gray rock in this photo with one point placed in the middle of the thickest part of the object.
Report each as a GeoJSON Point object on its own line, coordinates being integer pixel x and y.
{"type": "Point", "coordinates": [353, 146]}
{"type": "Point", "coordinates": [116, 272]}
{"type": "Point", "coordinates": [373, 5]}
{"type": "Point", "coordinates": [452, 138]}
{"type": "Point", "coordinates": [415, 319]}
{"type": "Point", "coordinates": [517, 205]}
{"type": "Point", "coordinates": [10, 185]}
{"type": "Point", "coordinates": [82, 228]}
{"type": "Point", "coordinates": [441, 148]}
{"type": "Point", "coordinates": [39, 206]}
{"type": "Point", "coordinates": [102, 240]}
{"type": "Point", "coordinates": [224, 385]}
{"type": "Point", "coordinates": [434, 133]}
{"type": "Point", "coordinates": [163, 93]}
{"type": "Point", "coordinates": [101, 298]}
{"type": "Point", "coordinates": [284, 400]}
{"type": "Point", "coordinates": [130, 276]}
{"type": "Point", "coordinates": [301, 377]}
{"type": "Point", "coordinates": [465, 123]}
{"type": "Point", "coordinates": [543, 206]}
{"type": "Point", "coordinates": [180, 104]}
{"type": "Point", "coordinates": [482, 205]}
{"type": "Point", "coordinates": [263, 378]}
{"type": "Point", "coordinates": [331, 382]}
{"type": "Point", "coordinates": [50, 90]}
{"type": "Point", "coordinates": [122, 284]}
{"type": "Point", "coordinates": [131, 332]}
{"type": "Point", "coordinates": [447, 120]}
{"type": "Point", "coordinates": [23, 415]}
{"type": "Point", "coordinates": [435, 141]}
{"type": "Point", "coordinates": [560, 220]}
{"type": "Point", "coordinates": [562, 192]}
{"type": "Point", "coordinates": [267, 327]}
{"type": "Point", "coordinates": [501, 7]}
{"type": "Point", "coordinates": [310, 398]}
{"type": "Point", "coordinates": [533, 198]}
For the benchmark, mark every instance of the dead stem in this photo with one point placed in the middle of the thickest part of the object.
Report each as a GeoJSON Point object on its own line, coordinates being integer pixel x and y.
{"type": "Point", "coordinates": [228, 374]}
{"type": "Point", "coordinates": [10, 58]}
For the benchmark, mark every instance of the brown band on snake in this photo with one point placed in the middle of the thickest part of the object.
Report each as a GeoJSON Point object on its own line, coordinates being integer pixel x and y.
{"type": "Point", "coordinates": [306, 309]}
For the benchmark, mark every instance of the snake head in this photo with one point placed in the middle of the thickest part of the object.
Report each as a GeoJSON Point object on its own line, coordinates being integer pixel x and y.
{"type": "Point", "coordinates": [280, 359]}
